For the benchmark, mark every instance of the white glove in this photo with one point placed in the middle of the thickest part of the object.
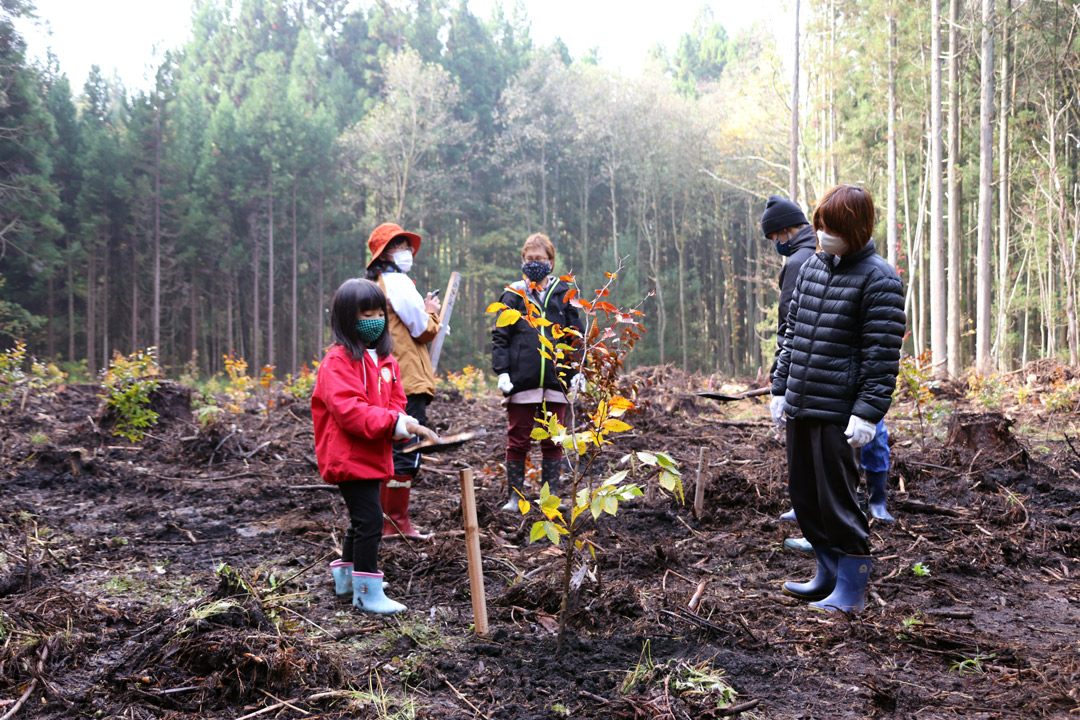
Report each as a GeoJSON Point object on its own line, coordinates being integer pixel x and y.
{"type": "Point", "coordinates": [577, 385]}
{"type": "Point", "coordinates": [505, 386]}
{"type": "Point", "coordinates": [400, 432]}
{"type": "Point", "coordinates": [776, 409]}
{"type": "Point", "coordinates": [859, 431]}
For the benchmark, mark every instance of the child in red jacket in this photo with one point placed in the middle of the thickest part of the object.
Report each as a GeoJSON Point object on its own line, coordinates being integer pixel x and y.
{"type": "Point", "coordinates": [359, 408]}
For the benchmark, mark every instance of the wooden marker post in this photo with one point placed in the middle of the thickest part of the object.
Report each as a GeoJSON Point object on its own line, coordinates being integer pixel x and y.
{"type": "Point", "coordinates": [699, 485]}
{"type": "Point", "coordinates": [472, 551]}
{"type": "Point", "coordinates": [435, 349]}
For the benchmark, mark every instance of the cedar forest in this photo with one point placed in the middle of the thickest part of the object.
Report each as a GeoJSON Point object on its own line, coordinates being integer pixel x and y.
{"type": "Point", "coordinates": [217, 210]}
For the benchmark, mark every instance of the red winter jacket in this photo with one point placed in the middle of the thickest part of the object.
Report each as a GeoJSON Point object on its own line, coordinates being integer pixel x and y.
{"type": "Point", "coordinates": [355, 407]}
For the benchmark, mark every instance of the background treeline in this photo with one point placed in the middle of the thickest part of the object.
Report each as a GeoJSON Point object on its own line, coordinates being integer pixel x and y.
{"type": "Point", "coordinates": [219, 209]}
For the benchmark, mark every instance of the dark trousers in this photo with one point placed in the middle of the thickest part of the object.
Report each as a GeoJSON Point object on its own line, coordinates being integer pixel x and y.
{"type": "Point", "coordinates": [361, 544]}
{"type": "Point", "coordinates": [409, 463]}
{"type": "Point", "coordinates": [822, 479]}
{"type": "Point", "coordinates": [521, 419]}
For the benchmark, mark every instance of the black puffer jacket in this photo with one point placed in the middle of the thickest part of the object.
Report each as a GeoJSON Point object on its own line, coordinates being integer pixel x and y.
{"type": "Point", "coordinates": [841, 352]}
{"type": "Point", "coordinates": [515, 349]}
{"type": "Point", "coordinates": [797, 250]}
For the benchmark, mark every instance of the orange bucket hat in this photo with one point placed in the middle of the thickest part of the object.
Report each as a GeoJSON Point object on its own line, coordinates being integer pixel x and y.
{"type": "Point", "coordinates": [382, 235]}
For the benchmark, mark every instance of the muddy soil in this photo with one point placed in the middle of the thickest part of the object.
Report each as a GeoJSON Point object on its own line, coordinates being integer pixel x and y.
{"type": "Point", "coordinates": [185, 577]}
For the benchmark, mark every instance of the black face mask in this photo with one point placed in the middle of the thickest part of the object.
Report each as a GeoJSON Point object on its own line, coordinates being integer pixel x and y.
{"type": "Point", "coordinates": [536, 271]}
{"type": "Point", "coordinates": [784, 248]}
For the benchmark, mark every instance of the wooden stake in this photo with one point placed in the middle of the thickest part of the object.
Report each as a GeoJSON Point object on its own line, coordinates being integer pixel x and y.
{"type": "Point", "coordinates": [699, 486]}
{"type": "Point", "coordinates": [472, 551]}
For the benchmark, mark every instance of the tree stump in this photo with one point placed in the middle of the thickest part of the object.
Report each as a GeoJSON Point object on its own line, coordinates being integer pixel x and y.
{"type": "Point", "coordinates": [988, 433]}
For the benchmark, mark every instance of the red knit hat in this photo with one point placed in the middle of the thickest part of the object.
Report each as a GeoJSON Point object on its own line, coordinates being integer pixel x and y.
{"type": "Point", "coordinates": [382, 235]}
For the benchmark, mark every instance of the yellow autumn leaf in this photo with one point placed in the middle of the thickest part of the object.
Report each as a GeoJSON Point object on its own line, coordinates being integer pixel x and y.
{"type": "Point", "coordinates": [613, 425]}
{"type": "Point", "coordinates": [495, 307]}
{"type": "Point", "coordinates": [508, 317]}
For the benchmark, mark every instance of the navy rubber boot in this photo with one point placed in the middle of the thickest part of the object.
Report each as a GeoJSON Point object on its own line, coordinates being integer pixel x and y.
{"type": "Point", "coordinates": [342, 572]}
{"type": "Point", "coordinates": [823, 582]}
{"type": "Point", "coordinates": [875, 483]}
{"type": "Point", "coordinates": [789, 516]}
{"type": "Point", "coordinates": [368, 594]}
{"type": "Point", "coordinates": [852, 577]}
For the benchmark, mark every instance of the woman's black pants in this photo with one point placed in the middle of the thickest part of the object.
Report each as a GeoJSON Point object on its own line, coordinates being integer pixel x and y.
{"type": "Point", "coordinates": [822, 480]}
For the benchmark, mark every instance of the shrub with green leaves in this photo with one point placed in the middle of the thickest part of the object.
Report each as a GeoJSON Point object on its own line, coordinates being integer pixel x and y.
{"type": "Point", "coordinates": [128, 383]}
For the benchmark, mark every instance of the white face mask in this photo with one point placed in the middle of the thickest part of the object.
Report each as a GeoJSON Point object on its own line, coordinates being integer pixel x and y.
{"type": "Point", "coordinates": [831, 244]}
{"type": "Point", "coordinates": [403, 259]}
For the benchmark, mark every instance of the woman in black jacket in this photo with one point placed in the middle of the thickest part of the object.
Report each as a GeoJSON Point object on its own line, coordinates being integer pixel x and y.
{"type": "Point", "coordinates": [836, 373]}
{"type": "Point", "coordinates": [531, 382]}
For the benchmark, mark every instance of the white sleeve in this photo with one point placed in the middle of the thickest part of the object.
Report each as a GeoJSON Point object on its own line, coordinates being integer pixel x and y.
{"type": "Point", "coordinates": [406, 302]}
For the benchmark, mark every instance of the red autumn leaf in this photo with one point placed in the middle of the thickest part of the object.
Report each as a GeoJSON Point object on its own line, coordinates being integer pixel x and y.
{"type": "Point", "coordinates": [570, 295]}
{"type": "Point", "coordinates": [606, 306]}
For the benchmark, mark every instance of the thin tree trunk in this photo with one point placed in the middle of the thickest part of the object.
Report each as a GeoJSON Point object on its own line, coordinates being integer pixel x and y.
{"type": "Point", "coordinates": [157, 232]}
{"type": "Point", "coordinates": [91, 315]}
{"type": "Point", "coordinates": [585, 223]}
{"type": "Point", "coordinates": [134, 297]}
{"type": "Point", "coordinates": [193, 306]}
{"type": "Point", "coordinates": [269, 277]}
{"type": "Point", "coordinates": [614, 206]}
{"type": "Point", "coordinates": [50, 337]}
{"type": "Point", "coordinates": [954, 266]}
{"type": "Point", "coordinates": [320, 334]}
{"type": "Point", "coordinates": [983, 292]}
{"type": "Point", "coordinates": [70, 301]}
{"type": "Point", "coordinates": [256, 301]}
{"type": "Point", "coordinates": [295, 309]}
{"type": "Point", "coordinates": [1004, 198]}
{"type": "Point", "coordinates": [938, 314]}
{"type": "Point", "coordinates": [105, 306]}
{"type": "Point", "coordinates": [793, 150]}
{"type": "Point", "coordinates": [680, 248]}
{"type": "Point", "coordinates": [890, 230]}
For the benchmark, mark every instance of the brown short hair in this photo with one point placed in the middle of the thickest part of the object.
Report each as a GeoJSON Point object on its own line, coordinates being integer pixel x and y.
{"type": "Point", "coordinates": [848, 211]}
{"type": "Point", "coordinates": [538, 241]}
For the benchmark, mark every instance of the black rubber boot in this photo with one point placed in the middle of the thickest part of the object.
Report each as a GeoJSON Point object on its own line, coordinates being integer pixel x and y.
{"type": "Point", "coordinates": [515, 480]}
{"type": "Point", "coordinates": [875, 484]}
{"type": "Point", "coordinates": [551, 473]}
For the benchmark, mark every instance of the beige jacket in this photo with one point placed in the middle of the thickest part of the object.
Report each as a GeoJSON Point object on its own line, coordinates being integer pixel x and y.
{"type": "Point", "coordinates": [417, 377]}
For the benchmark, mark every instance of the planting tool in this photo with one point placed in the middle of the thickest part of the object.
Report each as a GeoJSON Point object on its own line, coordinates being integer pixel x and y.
{"type": "Point", "coordinates": [435, 444]}
{"type": "Point", "coordinates": [724, 397]}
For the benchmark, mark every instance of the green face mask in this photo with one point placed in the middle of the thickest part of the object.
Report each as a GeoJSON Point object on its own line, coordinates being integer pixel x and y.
{"type": "Point", "coordinates": [370, 329]}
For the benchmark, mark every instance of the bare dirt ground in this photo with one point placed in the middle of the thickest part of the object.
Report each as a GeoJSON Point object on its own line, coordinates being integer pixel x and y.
{"type": "Point", "coordinates": [186, 577]}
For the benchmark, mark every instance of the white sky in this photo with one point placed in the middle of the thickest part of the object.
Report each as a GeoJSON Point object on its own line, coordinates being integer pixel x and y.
{"type": "Point", "coordinates": [121, 35]}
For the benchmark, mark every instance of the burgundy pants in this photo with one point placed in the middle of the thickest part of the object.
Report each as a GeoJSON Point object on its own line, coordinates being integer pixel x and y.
{"type": "Point", "coordinates": [521, 418]}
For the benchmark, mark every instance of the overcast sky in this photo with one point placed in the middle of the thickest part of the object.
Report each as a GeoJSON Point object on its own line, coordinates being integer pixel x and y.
{"type": "Point", "coordinates": [121, 35]}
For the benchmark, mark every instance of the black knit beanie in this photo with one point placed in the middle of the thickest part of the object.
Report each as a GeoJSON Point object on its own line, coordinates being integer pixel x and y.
{"type": "Point", "coordinates": [780, 213]}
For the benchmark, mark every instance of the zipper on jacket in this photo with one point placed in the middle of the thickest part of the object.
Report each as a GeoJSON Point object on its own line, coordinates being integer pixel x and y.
{"type": "Point", "coordinates": [813, 335]}
{"type": "Point", "coordinates": [543, 314]}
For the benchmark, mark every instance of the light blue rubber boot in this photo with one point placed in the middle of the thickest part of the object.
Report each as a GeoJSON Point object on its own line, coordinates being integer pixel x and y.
{"type": "Point", "coordinates": [799, 544]}
{"type": "Point", "coordinates": [789, 516]}
{"type": "Point", "coordinates": [823, 581]}
{"type": "Point", "coordinates": [342, 572]}
{"type": "Point", "coordinates": [368, 594]}
{"type": "Point", "coordinates": [852, 577]}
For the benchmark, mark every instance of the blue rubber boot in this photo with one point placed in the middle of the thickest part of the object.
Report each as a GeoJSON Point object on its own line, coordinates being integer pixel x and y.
{"type": "Point", "coordinates": [799, 544]}
{"type": "Point", "coordinates": [789, 516]}
{"type": "Point", "coordinates": [368, 594]}
{"type": "Point", "coordinates": [821, 584]}
{"type": "Point", "coordinates": [875, 484]}
{"type": "Point", "coordinates": [342, 572]}
{"type": "Point", "coordinates": [852, 577]}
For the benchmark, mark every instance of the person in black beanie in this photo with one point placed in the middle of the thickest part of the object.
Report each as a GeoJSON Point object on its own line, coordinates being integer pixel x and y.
{"type": "Point", "coordinates": [784, 224]}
